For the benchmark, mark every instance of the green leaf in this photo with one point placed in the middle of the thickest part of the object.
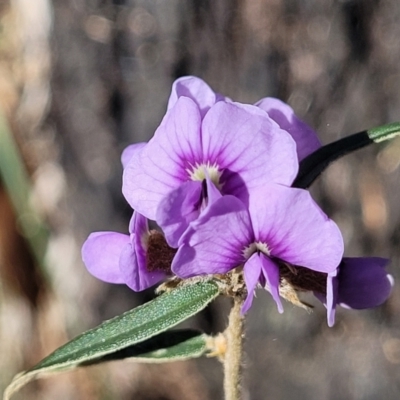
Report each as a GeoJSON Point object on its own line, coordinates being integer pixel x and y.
{"type": "Point", "coordinates": [132, 327]}
{"type": "Point", "coordinates": [15, 178]}
{"type": "Point", "coordinates": [180, 344]}
{"type": "Point", "coordinates": [314, 164]}
{"type": "Point", "coordinates": [384, 132]}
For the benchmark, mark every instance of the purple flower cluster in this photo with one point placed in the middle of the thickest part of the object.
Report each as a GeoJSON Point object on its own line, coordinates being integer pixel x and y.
{"type": "Point", "coordinates": [216, 178]}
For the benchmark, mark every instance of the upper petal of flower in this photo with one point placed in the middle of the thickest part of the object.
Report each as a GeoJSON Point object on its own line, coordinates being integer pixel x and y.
{"type": "Point", "coordinates": [294, 228]}
{"type": "Point", "coordinates": [197, 90]}
{"type": "Point", "coordinates": [163, 163]}
{"type": "Point", "coordinates": [101, 252]}
{"type": "Point", "coordinates": [182, 206]}
{"type": "Point", "coordinates": [213, 244]}
{"type": "Point", "coordinates": [306, 139]}
{"type": "Point", "coordinates": [248, 146]}
{"type": "Point", "coordinates": [131, 151]}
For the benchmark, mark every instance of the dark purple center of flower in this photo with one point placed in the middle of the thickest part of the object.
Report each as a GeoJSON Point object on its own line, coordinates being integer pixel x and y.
{"type": "Point", "coordinates": [159, 255]}
{"type": "Point", "coordinates": [303, 279]}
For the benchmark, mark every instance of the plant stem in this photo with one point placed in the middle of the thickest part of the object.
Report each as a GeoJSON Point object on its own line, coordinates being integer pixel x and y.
{"type": "Point", "coordinates": [233, 355]}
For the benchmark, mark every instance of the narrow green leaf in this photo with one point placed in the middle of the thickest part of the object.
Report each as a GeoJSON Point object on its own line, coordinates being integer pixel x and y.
{"type": "Point", "coordinates": [180, 344]}
{"type": "Point", "coordinates": [384, 132]}
{"type": "Point", "coordinates": [136, 325]}
{"type": "Point", "coordinates": [132, 327]}
{"type": "Point", "coordinates": [16, 180]}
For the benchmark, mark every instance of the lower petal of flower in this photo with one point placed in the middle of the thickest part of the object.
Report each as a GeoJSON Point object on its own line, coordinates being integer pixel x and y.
{"type": "Point", "coordinates": [101, 253]}
{"type": "Point", "coordinates": [363, 282]}
{"type": "Point", "coordinates": [178, 208]}
{"type": "Point", "coordinates": [132, 264]}
{"type": "Point", "coordinates": [212, 244]}
{"type": "Point", "coordinates": [358, 283]}
{"type": "Point", "coordinates": [257, 268]}
{"type": "Point", "coordinates": [252, 272]}
{"type": "Point", "coordinates": [271, 274]}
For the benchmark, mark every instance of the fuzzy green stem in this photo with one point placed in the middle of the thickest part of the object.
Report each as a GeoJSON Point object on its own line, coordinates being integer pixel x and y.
{"type": "Point", "coordinates": [233, 355]}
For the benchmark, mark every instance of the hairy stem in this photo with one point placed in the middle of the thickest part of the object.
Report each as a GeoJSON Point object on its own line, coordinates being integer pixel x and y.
{"type": "Point", "coordinates": [233, 355]}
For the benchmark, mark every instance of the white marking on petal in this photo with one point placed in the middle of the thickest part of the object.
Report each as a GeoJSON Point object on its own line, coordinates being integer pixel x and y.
{"type": "Point", "coordinates": [144, 239]}
{"type": "Point", "coordinates": [198, 172]}
{"type": "Point", "coordinates": [256, 247]}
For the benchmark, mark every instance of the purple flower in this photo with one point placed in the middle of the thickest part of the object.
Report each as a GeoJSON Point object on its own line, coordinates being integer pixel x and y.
{"type": "Point", "coordinates": [117, 258]}
{"type": "Point", "coordinates": [280, 224]}
{"type": "Point", "coordinates": [238, 146]}
{"type": "Point", "coordinates": [358, 283]}
{"type": "Point", "coordinates": [235, 145]}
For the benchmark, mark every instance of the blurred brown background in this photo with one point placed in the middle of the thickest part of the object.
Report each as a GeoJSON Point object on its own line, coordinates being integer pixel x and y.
{"type": "Point", "coordinates": [81, 79]}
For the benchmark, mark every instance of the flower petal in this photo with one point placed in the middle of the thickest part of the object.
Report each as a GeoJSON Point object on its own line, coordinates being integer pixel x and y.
{"type": "Point", "coordinates": [133, 260]}
{"type": "Point", "coordinates": [197, 90]}
{"type": "Point", "coordinates": [213, 194]}
{"type": "Point", "coordinates": [139, 227]}
{"type": "Point", "coordinates": [252, 272]}
{"type": "Point", "coordinates": [249, 146]}
{"type": "Point", "coordinates": [130, 151]}
{"type": "Point", "coordinates": [294, 228]}
{"type": "Point", "coordinates": [101, 252]}
{"type": "Point", "coordinates": [177, 209]}
{"type": "Point", "coordinates": [306, 139]}
{"type": "Point", "coordinates": [363, 282]}
{"type": "Point", "coordinates": [163, 163]}
{"type": "Point", "coordinates": [213, 244]}
{"type": "Point", "coordinates": [271, 273]}
{"type": "Point", "coordinates": [132, 264]}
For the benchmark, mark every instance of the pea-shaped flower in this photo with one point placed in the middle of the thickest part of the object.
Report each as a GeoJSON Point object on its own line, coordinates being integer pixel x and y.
{"type": "Point", "coordinates": [238, 146]}
{"type": "Point", "coordinates": [280, 224]}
